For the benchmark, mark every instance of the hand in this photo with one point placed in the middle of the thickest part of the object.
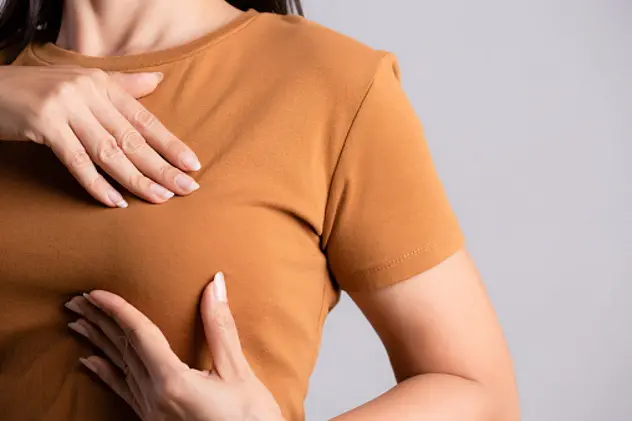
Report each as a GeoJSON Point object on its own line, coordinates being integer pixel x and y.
{"type": "Point", "coordinates": [88, 117]}
{"type": "Point", "coordinates": [143, 370]}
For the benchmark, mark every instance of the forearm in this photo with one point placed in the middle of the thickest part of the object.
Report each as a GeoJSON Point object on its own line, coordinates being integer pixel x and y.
{"type": "Point", "coordinates": [436, 397]}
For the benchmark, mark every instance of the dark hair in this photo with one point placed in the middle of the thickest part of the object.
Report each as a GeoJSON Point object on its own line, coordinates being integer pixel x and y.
{"type": "Point", "coordinates": [23, 21]}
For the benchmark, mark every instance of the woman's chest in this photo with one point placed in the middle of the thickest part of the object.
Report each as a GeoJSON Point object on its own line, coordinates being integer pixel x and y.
{"type": "Point", "coordinates": [48, 219]}
{"type": "Point", "coordinates": [248, 221]}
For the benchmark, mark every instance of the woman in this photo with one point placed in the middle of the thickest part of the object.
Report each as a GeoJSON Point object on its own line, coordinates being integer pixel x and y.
{"type": "Point", "coordinates": [283, 157]}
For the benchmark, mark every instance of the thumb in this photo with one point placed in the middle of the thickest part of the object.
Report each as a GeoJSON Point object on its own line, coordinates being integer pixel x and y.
{"type": "Point", "coordinates": [137, 84]}
{"type": "Point", "coordinates": [221, 332]}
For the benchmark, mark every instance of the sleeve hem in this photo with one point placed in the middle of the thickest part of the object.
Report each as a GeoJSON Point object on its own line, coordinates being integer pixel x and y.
{"type": "Point", "coordinates": [403, 267]}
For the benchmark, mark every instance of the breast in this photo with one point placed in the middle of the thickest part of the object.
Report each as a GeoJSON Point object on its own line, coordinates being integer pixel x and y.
{"type": "Point", "coordinates": [57, 241]}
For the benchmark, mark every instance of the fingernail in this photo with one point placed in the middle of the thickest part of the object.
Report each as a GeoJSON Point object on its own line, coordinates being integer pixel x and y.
{"type": "Point", "coordinates": [187, 183]}
{"type": "Point", "coordinates": [161, 191]}
{"type": "Point", "coordinates": [157, 76]}
{"type": "Point", "coordinates": [150, 77]}
{"type": "Point", "coordinates": [219, 287]}
{"type": "Point", "coordinates": [73, 306]}
{"type": "Point", "coordinates": [78, 328]}
{"type": "Point", "coordinates": [88, 364]}
{"type": "Point", "coordinates": [117, 199]}
{"type": "Point", "coordinates": [90, 299]}
{"type": "Point", "coordinates": [190, 161]}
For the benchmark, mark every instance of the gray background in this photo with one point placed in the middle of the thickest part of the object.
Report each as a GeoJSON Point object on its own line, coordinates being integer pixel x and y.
{"type": "Point", "coordinates": [527, 106]}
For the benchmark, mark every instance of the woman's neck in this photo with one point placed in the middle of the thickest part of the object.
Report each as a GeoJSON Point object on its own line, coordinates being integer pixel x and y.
{"type": "Point", "coordinates": [123, 27]}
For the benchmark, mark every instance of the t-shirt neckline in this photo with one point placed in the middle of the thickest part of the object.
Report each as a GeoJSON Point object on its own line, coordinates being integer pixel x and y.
{"type": "Point", "coordinates": [49, 53]}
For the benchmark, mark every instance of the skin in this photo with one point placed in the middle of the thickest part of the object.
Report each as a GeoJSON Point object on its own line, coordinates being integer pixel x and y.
{"type": "Point", "coordinates": [442, 336]}
{"type": "Point", "coordinates": [89, 118]}
{"type": "Point", "coordinates": [144, 371]}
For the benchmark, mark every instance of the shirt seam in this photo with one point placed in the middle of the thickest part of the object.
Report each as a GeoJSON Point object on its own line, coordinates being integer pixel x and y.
{"type": "Point", "coordinates": [348, 133]}
{"type": "Point", "coordinates": [429, 247]}
{"type": "Point", "coordinates": [32, 53]}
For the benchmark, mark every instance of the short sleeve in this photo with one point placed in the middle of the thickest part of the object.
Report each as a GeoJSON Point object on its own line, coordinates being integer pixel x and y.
{"type": "Point", "coordinates": [387, 216]}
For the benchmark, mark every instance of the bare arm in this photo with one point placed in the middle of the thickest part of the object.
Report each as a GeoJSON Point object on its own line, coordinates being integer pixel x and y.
{"type": "Point", "coordinates": [446, 348]}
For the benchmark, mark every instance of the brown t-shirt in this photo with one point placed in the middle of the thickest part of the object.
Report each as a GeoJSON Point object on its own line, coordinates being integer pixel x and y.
{"type": "Point", "coordinates": [315, 177]}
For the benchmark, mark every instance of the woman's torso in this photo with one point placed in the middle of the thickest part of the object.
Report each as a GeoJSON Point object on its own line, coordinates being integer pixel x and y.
{"type": "Point", "coordinates": [265, 104]}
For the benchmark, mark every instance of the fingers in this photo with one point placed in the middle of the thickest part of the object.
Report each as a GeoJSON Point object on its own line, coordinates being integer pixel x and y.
{"type": "Point", "coordinates": [221, 332]}
{"type": "Point", "coordinates": [113, 378]}
{"type": "Point", "coordinates": [106, 153]}
{"type": "Point", "coordinates": [113, 340]}
{"type": "Point", "coordinates": [94, 335]}
{"type": "Point", "coordinates": [73, 155]}
{"type": "Point", "coordinates": [150, 344]}
{"type": "Point", "coordinates": [92, 119]}
{"type": "Point", "coordinates": [137, 85]}
{"type": "Point", "coordinates": [155, 133]}
{"type": "Point", "coordinates": [140, 153]}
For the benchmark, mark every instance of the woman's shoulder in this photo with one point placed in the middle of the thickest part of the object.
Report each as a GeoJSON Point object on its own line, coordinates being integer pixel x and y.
{"type": "Point", "coordinates": [313, 50]}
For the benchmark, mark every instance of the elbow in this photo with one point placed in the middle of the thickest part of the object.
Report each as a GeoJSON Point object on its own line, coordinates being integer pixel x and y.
{"type": "Point", "coordinates": [488, 400]}
{"type": "Point", "coordinates": [504, 406]}
{"type": "Point", "coordinates": [511, 410]}
{"type": "Point", "coordinates": [493, 403]}
{"type": "Point", "coordinates": [496, 397]}
{"type": "Point", "coordinates": [502, 400]}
